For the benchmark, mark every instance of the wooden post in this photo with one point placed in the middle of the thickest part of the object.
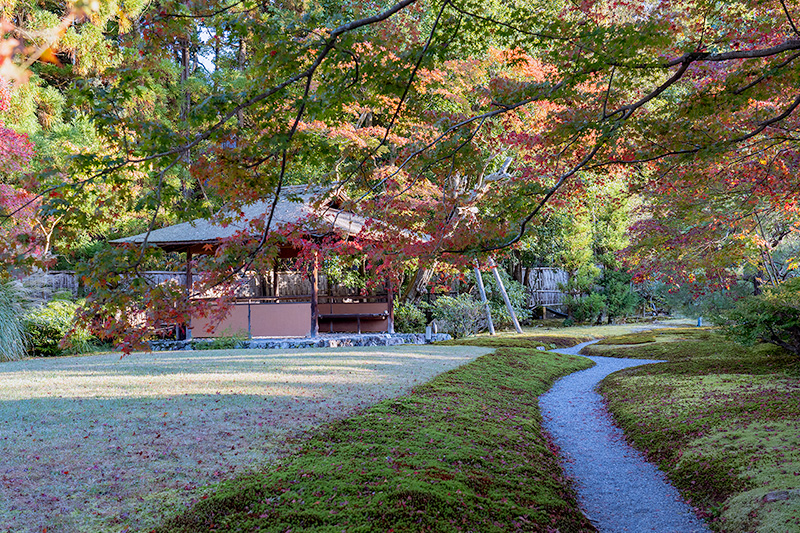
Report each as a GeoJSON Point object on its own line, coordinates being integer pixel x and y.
{"type": "Point", "coordinates": [188, 290]}
{"type": "Point", "coordinates": [390, 299]}
{"type": "Point", "coordinates": [315, 297]}
{"type": "Point", "coordinates": [249, 322]}
{"type": "Point", "coordinates": [485, 301]}
{"type": "Point", "coordinates": [505, 295]}
{"type": "Point", "coordinates": [275, 278]}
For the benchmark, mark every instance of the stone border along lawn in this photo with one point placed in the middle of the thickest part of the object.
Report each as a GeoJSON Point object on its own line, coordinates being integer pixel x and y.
{"type": "Point", "coordinates": [722, 421]}
{"type": "Point", "coordinates": [102, 444]}
{"type": "Point", "coordinates": [464, 452]}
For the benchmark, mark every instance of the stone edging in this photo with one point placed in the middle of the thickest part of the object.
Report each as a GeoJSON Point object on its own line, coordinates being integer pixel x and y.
{"type": "Point", "coordinates": [335, 341]}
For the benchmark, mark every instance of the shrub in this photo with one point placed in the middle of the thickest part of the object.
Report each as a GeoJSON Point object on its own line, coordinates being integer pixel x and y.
{"type": "Point", "coordinates": [13, 303]}
{"type": "Point", "coordinates": [773, 317]}
{"type": "Point", "coordinates": [228, 341]}
{"type": "Point", "coordinates": [619, 298]}
{"type": "Point", "coordinates": [694, 301]}
{"type": "Point", "coordinates": [408, 318]}
{"type": "Point", "coordinates": [459, 316]}
{"type": "Point", "coordinates": [52, 330]}
{"type": "Point", "coordinates": [585, 308]}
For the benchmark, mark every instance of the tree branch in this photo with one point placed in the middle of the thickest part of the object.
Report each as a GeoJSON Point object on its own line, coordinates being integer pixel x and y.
{"type": "Point", "coordinates": [762, 78]}
{"type": "Point", "coordinates": [789, 17]}
{"type": "Point", "coordinates": [791, 44]}
{"type": "Point", "coordinates": [307, 73]}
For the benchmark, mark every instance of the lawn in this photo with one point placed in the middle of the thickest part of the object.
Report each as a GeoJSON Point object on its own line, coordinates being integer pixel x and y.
{"type": "Point", "coordinates": [723, 422]}
{"type": "Point", "coordinates": [99, 443]}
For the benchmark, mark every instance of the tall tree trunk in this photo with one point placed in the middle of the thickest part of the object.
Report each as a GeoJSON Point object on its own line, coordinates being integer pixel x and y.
{"type": "Point", "coordinates": [185, 58]}
{"type": "Point", "coordinates": [416, 288]}
{"type": "Point", "coordinates": [241, 58]}
{"type": "Point", "coordinates": [517, 268]}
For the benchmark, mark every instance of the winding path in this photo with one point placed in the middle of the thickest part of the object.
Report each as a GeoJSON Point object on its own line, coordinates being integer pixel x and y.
{"type": "Point", "coordinates": [618, 490]}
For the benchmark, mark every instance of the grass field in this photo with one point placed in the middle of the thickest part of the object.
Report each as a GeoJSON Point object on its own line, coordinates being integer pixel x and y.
{"type": "Point", "coordinates": [102, 444]}
{"type": "Point", "coordinates": [723, 422]}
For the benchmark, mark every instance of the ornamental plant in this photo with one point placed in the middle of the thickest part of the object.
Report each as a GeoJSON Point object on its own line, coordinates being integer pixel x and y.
{"type": "Point", "coordinates": [13, 304]}
{"type": "Point", "coordinates": [52, 330]}
{"type": "Point", "coordinates": [772, 317]}
{"type": "Point", "coordinates": [408, 318]}
{"type": "Point", "coordinates": [460, 316]}
{"type": "Point", "coordinates": [517, 294]}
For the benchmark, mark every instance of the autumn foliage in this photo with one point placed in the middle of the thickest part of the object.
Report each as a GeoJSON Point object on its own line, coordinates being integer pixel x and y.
{"type": "Point", "coordinates": [459, 128]}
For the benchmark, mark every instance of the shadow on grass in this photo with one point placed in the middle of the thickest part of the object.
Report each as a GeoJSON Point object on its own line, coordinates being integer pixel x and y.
{"type": "Point", "coordinates": [97, 443]}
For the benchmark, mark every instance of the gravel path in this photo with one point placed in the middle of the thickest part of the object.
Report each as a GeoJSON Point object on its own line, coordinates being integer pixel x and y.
{"type": "Point", "coordinates": [618, 490]}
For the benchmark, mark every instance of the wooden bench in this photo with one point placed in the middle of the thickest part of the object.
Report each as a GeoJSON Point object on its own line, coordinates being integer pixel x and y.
{"type": "Point", "coordinates": [330, 317]}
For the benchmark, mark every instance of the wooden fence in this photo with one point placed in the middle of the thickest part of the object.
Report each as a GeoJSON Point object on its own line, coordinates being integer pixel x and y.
{"type": "Point", "coordinates": [543, 286]}
{"type": "Point", "coordinates": [268, 284]}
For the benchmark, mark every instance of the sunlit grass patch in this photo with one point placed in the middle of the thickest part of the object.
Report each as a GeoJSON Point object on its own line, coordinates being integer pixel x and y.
{"type": "Point", "coordinates": [95, 444]}
{"type": "Point", "coordinates": [548, 341]}
{"type": "Point", "coordinates": [722, 421]}
{"type": "Point", "coordinates": [588, 332]}
{"type": "Point", "coordinates": [667, 344]}
{"type": "Point", "coordinates": [630, 338]}
{"type": "Point", "coordinates": [550, 335]}
{"type": "Point", "coordinates": [464, 452]}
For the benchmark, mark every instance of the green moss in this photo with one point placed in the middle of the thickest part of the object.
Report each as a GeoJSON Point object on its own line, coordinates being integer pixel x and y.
{"type": "Point", "coordinates": [632, 338]}
{"type": "Point", "coordinates": [749, 512]}
{"type": "Point", "coordinates": [525, 341]}
{"type": "Point", "coordinates": [720, 419]}
{"type": "Point", "coordinates": [462, 452]}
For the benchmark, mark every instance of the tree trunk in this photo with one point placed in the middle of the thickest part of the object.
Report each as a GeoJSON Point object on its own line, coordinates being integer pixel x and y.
{"type": "Point", "coordinates": [517, 271]}
{"type": "Point", "coordinates": [241, 58]}
{"type": "Point", "coordinates": [184, 55]}
{"type": "Point", "coordinates": [416, 288]}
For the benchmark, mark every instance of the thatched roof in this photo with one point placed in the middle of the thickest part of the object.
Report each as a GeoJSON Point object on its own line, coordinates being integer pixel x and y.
{"type": "Point", "coordinates": [295, 206]}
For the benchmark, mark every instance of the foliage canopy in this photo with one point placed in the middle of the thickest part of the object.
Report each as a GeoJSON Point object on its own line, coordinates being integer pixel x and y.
{"type": "Point", "coordinates": [467, 123]}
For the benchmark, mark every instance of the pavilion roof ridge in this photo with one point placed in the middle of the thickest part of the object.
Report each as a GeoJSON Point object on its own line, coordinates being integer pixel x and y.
{"type": "Point", "coordinates": [293, 207]}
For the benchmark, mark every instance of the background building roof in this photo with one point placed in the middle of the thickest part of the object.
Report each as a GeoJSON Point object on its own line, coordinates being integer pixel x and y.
{"type": "Point", "coordinates": [296, 206]}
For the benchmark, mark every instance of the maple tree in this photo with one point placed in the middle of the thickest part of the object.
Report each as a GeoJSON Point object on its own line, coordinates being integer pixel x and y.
{"type": "Point", "coordinates": [455, 120]}
{"type": "Point", "coordinates": [18, 242]}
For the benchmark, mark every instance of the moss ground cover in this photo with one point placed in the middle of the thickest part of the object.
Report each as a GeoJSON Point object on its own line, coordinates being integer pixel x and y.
{"type": "Point", "coordinates": [722, 420]}
{"type": "Point", "coordinates": [530, 342]}
{"type": "Point", "coordinates": [630, 338]}
{"type": "Point", "coordinates": [550, 336]}
{"type": "Point", "coordinates": [464, 452]}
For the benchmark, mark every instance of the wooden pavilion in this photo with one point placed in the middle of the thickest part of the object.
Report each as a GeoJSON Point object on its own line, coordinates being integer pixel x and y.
{"type": "Point", "coordinates": [263, 312]}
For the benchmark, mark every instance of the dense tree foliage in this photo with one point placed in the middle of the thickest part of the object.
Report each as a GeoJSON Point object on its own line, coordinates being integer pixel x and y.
{"type": "Point", "coordinates": [475, 124]}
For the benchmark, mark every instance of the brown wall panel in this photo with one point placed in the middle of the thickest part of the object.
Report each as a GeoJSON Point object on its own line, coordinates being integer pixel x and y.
{"type": "Point", "coordinates": [266, 320]}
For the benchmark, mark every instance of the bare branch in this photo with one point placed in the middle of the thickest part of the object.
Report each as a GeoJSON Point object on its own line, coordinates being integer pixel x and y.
{"type": "Point", "coordinates": [559, 183]}
{"type": "Point", "coordinates": [608, 93]}
{"type": "Point", "coordinates": [625, 112]}
{"type": "Point", "coordinates": [789, 17]}
{"type": "Point", "coordinates": [764, 77]}
{"type": "Point", "coordinates": [769, 122]}
{"type": "Point", "coordinates": [792, 44]}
